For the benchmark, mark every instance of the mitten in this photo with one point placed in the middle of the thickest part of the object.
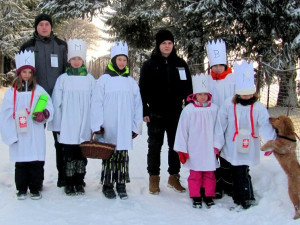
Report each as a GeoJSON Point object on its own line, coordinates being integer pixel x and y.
{"type": "Point", "coordinates": [102, 131]}
{"type": "Point", "coordinates": [134, 135]}
{"type": "Point", "coordinates": [217, 152]}
{"type": "Point", "coordinates": [268, 153]}
{"type": "Point", "coordinates": [183, 157]}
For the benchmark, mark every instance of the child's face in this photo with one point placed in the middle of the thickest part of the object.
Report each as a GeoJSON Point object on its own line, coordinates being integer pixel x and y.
{"type": "Point", "coordinates": [218, 68]}
{"type": "Point", "coordinates": [121, 61]}
{"type": "Point", "coordinates": [166, 48]}
{"type": "Point", "coordinates": [202, 97]}
{"type": "Point", "coordinates": [246, 97]}
{"type": "Point", "coordinates": [76, 62]}
{"type": "Point", "coordinates": [44, 28]}
{"type": "Point", "coordinates": [26, 74]}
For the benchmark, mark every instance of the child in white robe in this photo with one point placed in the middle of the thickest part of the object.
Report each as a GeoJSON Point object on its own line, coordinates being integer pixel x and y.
{"type": "Point", "coordinates": [195, 140]}
{"type": "Point", "coordinates": [23, 129]}
{"type": "Point", "coordinates": [118, 112]}
{"type": "Point", "coordinates": [243, 119]}
{"type": "Point", "coordinates": [72, 105]}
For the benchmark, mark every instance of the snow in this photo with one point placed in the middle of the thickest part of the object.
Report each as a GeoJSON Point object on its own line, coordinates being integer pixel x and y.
{"type": "Point", "coordinates": [141, 208]}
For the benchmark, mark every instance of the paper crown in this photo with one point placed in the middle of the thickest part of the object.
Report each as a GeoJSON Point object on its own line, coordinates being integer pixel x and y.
{"type": "Point", "coordinates": [77, 47]}
{"type": "Point", "coordinates": [244, 78]}
{"type": "Point", "coordinates": [119, 48]}
{"type": "Point", "coordinates": [200, 83]}
{"type": "Point", "coordinates": [216, 52]}
{"type": "Point", "coordinates": [25, 60]}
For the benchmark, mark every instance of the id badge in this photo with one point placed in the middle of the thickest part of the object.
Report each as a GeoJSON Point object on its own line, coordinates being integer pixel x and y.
{"type": "Point", "coordinates": [21, 121]}
{"type": "Point", "coordinates": [54, 60]}
{"type": "Point", "coordinates": [182, 73]}
{"type": "Point", "coordinates": [243, 141]}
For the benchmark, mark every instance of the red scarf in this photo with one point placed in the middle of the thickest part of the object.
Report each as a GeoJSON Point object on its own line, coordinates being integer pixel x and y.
{"type": "Point", "coordinates": [221, 76]}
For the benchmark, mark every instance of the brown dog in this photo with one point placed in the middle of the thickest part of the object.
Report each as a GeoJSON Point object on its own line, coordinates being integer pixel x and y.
{"type": "Point", "coordinates": [284, 149]}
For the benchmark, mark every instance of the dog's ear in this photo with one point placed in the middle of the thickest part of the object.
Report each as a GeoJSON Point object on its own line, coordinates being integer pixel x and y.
{"type": "Point", "coordinates": [287, 124]}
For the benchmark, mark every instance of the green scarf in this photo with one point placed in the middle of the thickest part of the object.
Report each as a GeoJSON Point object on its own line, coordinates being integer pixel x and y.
{"type": "Point", "coordinates": [81, 71]}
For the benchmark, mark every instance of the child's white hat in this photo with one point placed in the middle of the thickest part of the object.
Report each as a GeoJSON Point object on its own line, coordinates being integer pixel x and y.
{"type": "Point", "coordinates": [25, 60]}
{"type": "Point", "coordinates": [244, 78]}
{"type": "Point", "coordinates": [216, 52]}
{"type": "Point", "coordinates": [77, 47]}
{"type": "Point", "coordinates": [200, 83]}
{"type": "Point", "coordinates": [119, 48]}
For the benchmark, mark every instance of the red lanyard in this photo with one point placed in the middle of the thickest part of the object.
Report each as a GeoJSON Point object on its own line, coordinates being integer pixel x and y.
{"type": "Point", "coordinates": [15, 98]}
{"type": "Point", "coordinates": [236, 125]}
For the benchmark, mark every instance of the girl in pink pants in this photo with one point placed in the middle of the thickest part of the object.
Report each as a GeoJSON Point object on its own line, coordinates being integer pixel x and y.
{"type": "Point", "coordinates": [195, 141]}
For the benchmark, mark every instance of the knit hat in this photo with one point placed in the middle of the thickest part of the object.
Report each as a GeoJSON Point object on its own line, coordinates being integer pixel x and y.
{"type": "Point", "coordinates": [162, 36]}
{"type": "Point", "coordinates": [25, 60]}
{"type": "Point", "coordinates": [41, 17]}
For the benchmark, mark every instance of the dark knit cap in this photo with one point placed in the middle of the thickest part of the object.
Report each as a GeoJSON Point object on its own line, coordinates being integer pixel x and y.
{"type": "Point", "coordinates": [163, 35]}
{"type": "Point", "coordinates": [41, 17]}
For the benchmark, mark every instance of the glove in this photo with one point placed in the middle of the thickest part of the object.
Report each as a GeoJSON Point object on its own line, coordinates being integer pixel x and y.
{"type": "Point", "coordinates": [183, 157]}
{"type": "Point", "coordinates": [102, 131]}
{"type": "Point", "coordinates": [268, 153]}
{"type": "Point", "coordinates": [217, 152]}
{"type": "Point", "coordinates": [41, 116]}
{"type": "Point", "coordinates": [134, 135]}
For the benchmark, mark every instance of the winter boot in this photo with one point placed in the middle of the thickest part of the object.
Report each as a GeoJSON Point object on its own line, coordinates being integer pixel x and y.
{"type": "Point", "coordinates": [197, 202]}
{"type": "Point", "coordinates": [121, 189]}
{"type": "Point", "coordinates": [35, 195]}
{"type": "Point", "coordinates": [174, 183]}
{"type": "Point", "coordinates": [22, 195]}
{"type": "Point", "coordinates": [79, 183]}
{"type": "Point", "coordinates": [108, 191]}
{"type": "Point", "coordinates": [69, 188]}
{"type": "Point", "coordinates": [208, 201]}
{"type": "Point", "coordinates": [154, 184]}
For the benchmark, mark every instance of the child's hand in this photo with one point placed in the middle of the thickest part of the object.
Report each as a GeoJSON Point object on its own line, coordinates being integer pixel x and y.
{"type": "Point", "coordinates": [134, 135]}
{"type": "Point", "coordinates": [41, 116]}
{"type": "Point", "coordinates": [183, 157]}
{"type": "Point", "coordinates": [268, 153]}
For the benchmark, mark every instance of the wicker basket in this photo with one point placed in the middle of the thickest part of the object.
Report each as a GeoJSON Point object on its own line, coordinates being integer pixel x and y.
{"type": "Point", "coordinates": [97, 150]}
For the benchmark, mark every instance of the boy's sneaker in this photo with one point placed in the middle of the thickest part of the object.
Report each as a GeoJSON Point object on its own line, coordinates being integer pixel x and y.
{"type": "Point", "coordinates": [22, 195]}
{"type": "Point", "coordinates": [79, 189]}
{"type": "Point", "coordinates": [121, 189]}
{"type": "Point", "coordinates": [35, 195]}
{"type": "Point", "coordinates": [197, 202]}
{"type": "Point", "coordinates": [108, 192]}
{"type": "Point", "coordinates": [70, 190]}
{"type": "Point", "coordinates": [208, 201]}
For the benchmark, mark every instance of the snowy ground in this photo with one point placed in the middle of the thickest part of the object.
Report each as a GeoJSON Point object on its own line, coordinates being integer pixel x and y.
{"type": "Point", "coordinates": [270, 187]}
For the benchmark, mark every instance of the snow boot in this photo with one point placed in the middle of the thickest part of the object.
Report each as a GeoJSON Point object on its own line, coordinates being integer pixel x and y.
{"type": "Point", "coordinates": [35, 195]}
{"type": "Point", "coordinates": [174, 183]}
{"type": "Point", "coordinates": [79, 189]}
{"type": "Point", "coordinates": [79, 183]}
{"type": "Point", "coordinates": [197, 202]}
{"type": "Point", "coordinates": [121, 189]}
{"type": "Point", "coordinates": [108, 191]}
{"type": "Point", "coordinates": [208, 201]}
{"type": "Point", "coordinates": [154, 184]}
{"type": "Point", "coordinates": [70, 190]}
{"type": "Point", "coordinates": [22, 195]}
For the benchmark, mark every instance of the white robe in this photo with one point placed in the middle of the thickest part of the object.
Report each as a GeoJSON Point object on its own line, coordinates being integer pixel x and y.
{"type": "Point", "coordinates": [29, 146]}
{"type": "Point", "coordinates": [117, 107]}
{"type": "Point", "coordinates": [222, 89]}
{"type": "Point", "coordinates": [262, 128]}
{"type": "Point", "coordinates": [195, 136]}
{"type": "Point", "coordinates": [72, 106]}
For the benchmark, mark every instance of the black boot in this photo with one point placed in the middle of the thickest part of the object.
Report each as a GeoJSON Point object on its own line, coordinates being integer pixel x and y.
{"type": "Point", "coordinates": [79, 183]}
{"type": "Point", "coordinates": [69, 188]}
{"type": "Point", "coordinates": [121, 189]}
{"type": "Point", "coordinates": [208, 201]}
{"type": "Point", "coordinates": [197, 202]}
{"type": "Point", "coordinates": [108, 191]}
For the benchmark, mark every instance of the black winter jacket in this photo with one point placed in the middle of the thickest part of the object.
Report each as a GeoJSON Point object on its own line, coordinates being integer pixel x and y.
{"type": "Point", "coordinates": [43, 48]}
{"type": "Point", "coordinates": [163, 92]}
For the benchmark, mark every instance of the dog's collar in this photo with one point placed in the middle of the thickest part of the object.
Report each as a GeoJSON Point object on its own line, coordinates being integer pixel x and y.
{"type": "Point", "coordinates": [290, 139]}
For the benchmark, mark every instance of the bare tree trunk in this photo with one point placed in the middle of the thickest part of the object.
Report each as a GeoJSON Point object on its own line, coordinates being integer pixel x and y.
{"type": "Point", "coordinates": [287, 95]}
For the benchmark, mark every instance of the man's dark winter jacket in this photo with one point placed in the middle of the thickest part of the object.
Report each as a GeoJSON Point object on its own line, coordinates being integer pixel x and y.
{"type": "Point", "coordinates": [163, 92]}
{"type": "Point", "coordinates": [43, 48]}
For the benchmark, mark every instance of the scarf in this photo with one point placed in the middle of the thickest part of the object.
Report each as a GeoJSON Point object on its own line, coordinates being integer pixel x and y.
{"type": "Point", "coordinates": [221, 76]}
{"type": "Point", "coordinates": [113, 72]}
{"type": "Point", "coordinates": [81, 71]}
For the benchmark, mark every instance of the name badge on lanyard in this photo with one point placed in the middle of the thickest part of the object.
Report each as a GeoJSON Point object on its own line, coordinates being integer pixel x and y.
{"type": "Point", "coordinates": [54, 60]}
{"type": "Point", "coordinates": [182, 73]}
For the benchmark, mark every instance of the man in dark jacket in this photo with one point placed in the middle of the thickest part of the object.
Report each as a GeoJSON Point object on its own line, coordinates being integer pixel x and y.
{"type": "Point", "coordinates": [165, 82]}
{"type": "Point", "coordinates": [50, 62]}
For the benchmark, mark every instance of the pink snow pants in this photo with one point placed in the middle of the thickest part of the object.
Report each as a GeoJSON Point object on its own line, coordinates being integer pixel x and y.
{"type": "Point", "coordinates": [205, 179]}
